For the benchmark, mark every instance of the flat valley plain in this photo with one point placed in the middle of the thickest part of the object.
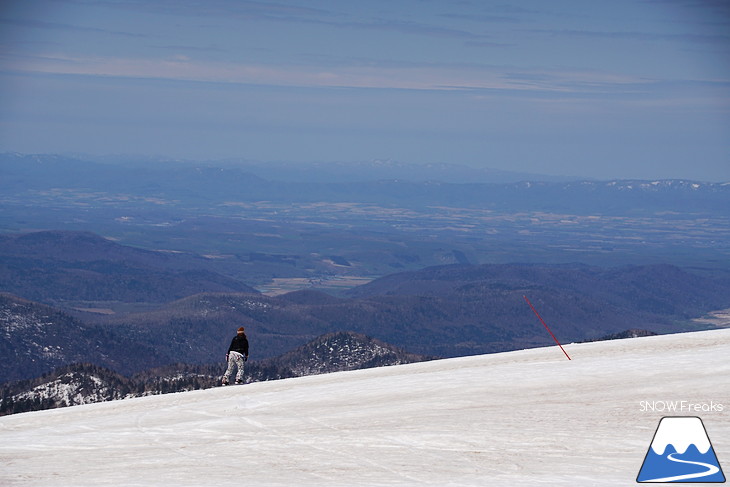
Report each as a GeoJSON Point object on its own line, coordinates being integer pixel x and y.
{"type": "Point", "coordinates": [279, 247]}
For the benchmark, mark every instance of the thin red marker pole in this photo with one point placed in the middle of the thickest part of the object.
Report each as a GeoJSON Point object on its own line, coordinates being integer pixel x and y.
{"type": "Point", "coordinates": [546, 327]}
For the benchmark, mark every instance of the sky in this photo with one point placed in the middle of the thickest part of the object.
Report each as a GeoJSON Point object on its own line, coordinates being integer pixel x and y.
{"type": "Point", "coordinates": [590, 88]}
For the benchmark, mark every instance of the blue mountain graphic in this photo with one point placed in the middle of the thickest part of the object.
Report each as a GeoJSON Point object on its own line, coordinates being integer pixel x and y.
{"type": "Point", "coordinates": [670, 464]}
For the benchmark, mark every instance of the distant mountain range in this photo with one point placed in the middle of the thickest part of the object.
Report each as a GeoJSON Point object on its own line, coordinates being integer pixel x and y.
{"type": "Point", "coordinates": [362, 171]}
{"type": "Point", "coordinates": [290, 172]}
{"type": "Point", "coordinates": [186, 184]}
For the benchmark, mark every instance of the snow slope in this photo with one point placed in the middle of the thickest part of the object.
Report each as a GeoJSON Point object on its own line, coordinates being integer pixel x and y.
{"type": "Point", "coordinates": [525, 418]}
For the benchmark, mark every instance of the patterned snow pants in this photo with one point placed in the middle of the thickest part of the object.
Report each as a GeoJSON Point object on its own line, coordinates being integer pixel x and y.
{"type": "Point", "coordinates": [235, 360]}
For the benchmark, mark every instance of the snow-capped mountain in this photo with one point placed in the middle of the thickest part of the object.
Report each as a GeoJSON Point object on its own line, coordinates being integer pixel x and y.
{"type": "Point", "coordinates": [373, 182]}
{"type": "Point", "coordinates": [67, 386]}
{"type": "Point", "coordinates": [344, 351]}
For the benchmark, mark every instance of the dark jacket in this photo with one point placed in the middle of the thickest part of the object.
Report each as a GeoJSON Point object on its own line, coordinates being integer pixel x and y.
{"type": "Point", "coordinates": [239, 344]}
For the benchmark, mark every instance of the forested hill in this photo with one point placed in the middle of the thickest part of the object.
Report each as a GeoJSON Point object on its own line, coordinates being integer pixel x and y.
{"type": "Point", "coordinates": [661, 288]}
{"type": "Point", "coordinates": [54, 266]}
{"type": "Point", "coordinates": [35, 339]}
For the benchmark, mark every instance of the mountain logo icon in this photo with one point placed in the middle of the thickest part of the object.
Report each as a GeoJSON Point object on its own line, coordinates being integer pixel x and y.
{"type": "Point", "coordinates": [681, 452]}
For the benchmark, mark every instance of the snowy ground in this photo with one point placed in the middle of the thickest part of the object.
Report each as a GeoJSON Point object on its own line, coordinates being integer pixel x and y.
{"type": "Point", "coordinates": [526, 418]}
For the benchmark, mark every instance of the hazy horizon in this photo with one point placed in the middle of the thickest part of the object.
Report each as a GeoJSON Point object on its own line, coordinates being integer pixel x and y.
{"type": "Point", "coordinates": [622, 90]}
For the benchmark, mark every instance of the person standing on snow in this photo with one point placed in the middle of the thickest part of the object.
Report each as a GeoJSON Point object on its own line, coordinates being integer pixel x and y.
{"type": "Point", "coordinates": [236, 356]}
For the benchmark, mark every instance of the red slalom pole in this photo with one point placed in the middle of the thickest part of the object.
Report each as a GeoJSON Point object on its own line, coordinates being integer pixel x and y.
{"type": "Point", "coordinates": [546, 327]}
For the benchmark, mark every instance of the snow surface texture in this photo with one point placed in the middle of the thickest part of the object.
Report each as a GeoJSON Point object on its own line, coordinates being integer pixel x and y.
{"type": "Point", "coordinates": [524, 418]}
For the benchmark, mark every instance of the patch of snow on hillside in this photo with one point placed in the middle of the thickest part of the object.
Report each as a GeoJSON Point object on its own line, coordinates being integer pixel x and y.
{"type": "Point", "coordinates": [14, 322]}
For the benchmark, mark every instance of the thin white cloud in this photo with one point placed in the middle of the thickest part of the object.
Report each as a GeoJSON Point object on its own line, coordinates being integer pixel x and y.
{"type": "Point", "coordinates": [639, 36]}
{"type": "Point", "coordinates": [258, 11]}
{"type": "Point", "coordinates": [46, 26]}
{"type": "Point", "coordinates": [407, 77]}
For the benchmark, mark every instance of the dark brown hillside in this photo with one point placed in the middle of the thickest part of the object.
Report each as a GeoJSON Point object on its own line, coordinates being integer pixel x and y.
{"type": "Point", "coordinates": [661, 289]}
{"type": "Point", "coordinates": [69, 246]}
{"type": "Point", "coordinates": [54, 267]}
